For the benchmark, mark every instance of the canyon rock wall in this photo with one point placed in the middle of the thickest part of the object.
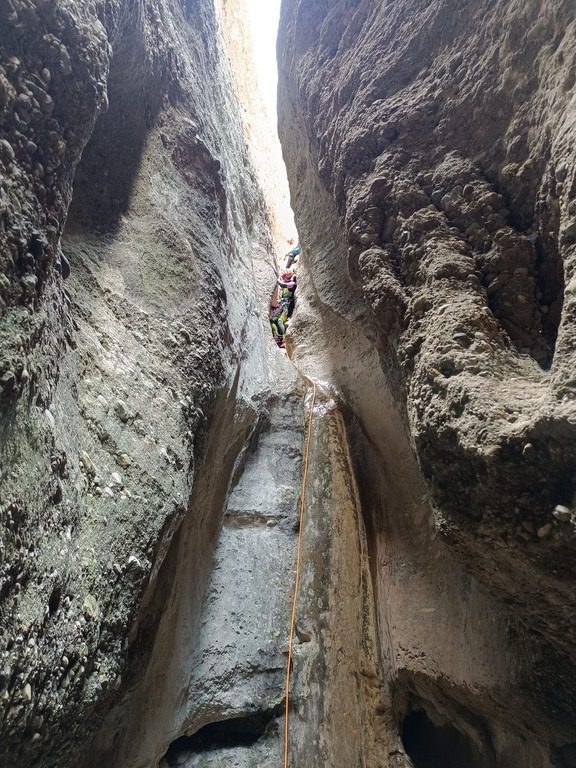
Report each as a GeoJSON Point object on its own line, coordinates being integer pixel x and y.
{"type": "Point", "coordinates": [151, 434]}
{"type": "Point", "coordinates": [135, 365]}
{"type": "Point", "coordinates": [430, 151]}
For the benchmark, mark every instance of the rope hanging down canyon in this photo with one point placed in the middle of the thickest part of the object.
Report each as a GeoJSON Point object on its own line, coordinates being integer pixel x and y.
{"type": "Point", "coordinates": [297, 576]}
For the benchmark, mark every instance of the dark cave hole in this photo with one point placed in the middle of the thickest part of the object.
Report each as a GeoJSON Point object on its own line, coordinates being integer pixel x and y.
{"type": "Point", "coordinates": [236, 732]}
{"type": "Point", "coordinates": [438, 746]}
{"type": "Point", "coordinates": [565, 757]}
{"type": "Point", "coordinates": [54, 600]}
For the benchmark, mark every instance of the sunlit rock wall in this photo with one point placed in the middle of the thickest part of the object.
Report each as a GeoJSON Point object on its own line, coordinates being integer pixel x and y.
{"type": "Point", "coordinates": [245, 27]}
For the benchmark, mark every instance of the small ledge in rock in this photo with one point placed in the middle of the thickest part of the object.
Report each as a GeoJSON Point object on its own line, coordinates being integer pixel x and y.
{"type": "Point", "coordinates": [250, 519]}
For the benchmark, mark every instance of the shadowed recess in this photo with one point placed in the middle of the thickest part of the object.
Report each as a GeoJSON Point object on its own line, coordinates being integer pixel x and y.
{"type": "Point", "coordinates": [225, 734]}
{"type": "Point", "coordinates": [110, 162]}
{"type": "Point", "coordinates": [439, 746]}
{"type": "Point", "coordinates": [566, 756]}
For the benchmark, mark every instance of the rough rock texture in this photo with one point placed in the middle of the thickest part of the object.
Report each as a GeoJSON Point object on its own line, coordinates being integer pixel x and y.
{"type": "Point", "coordinates": [430, 151]}
{"type": "Point", "coordinates": [151, 433]}
{"type": "Point", "coordinates": [217, 655]}
{"type": "Point", "coordinates": [133, 371]}
{"type": "Point", "coordinates": [338, 694]}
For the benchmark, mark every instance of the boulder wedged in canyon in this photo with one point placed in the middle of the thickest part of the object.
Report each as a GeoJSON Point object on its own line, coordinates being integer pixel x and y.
{"type": "Point", "coordinates": [430, 154]}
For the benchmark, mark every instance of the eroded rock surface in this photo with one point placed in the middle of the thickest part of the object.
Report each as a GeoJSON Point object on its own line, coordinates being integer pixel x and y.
{"type": "Point", "coordinates": [213, 688]}
{"type": "Point", "coordinates": [151, 434]}
{"type": "Point", "coordinates": [430, 153]}
{"type": "Point", "coordinates": [134, 356]}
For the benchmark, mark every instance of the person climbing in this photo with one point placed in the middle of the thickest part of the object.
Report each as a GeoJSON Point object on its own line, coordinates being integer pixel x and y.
{"type": "Point", "coordinates": [287, 281]}
{"type": "Point", "coordinates": [292, 254]}
{"type": "Point", "coordinates": [287, 290]}
{"type": "Point", "coordinates": [278, 323]}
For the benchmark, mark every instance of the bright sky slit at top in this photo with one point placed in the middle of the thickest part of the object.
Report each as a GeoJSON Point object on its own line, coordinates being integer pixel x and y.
{"type": "Point", "coordinates": [263, 21]}
{"type": "Point", "coordinates": [264, 18]}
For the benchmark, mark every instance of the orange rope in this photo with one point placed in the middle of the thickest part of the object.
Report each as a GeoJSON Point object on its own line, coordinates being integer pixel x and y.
{"type": "Point", "coordinates": [297, 578]}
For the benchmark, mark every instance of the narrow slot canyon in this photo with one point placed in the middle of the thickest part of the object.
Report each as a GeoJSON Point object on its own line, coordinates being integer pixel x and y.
{"type": "Point", "coordinates": [287, 395]}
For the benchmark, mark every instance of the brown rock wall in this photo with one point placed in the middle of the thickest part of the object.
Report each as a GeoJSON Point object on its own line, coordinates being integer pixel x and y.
{"type": "Point", "coordinates": [436, 141]}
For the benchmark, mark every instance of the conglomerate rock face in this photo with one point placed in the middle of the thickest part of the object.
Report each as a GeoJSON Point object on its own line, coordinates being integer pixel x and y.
{"type": "Point", "coordinates": [133, 366]}
{"type": "Point", "coordinates": [430, 149]}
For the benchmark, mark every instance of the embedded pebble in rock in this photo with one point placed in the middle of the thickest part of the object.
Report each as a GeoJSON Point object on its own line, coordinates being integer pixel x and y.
{"type": "Point", "coordinates": [90, 607]}
{"type": "Point", "coordinates": [123, 412]}
{"type": "Point", "coordinates": [133, 563]}
{"type": "Point", "coordinates": [562, 513]}
{"type": "Point", "coordinates": [546, 530]}
{"type": "Point", "coordinates": [88, 464]}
